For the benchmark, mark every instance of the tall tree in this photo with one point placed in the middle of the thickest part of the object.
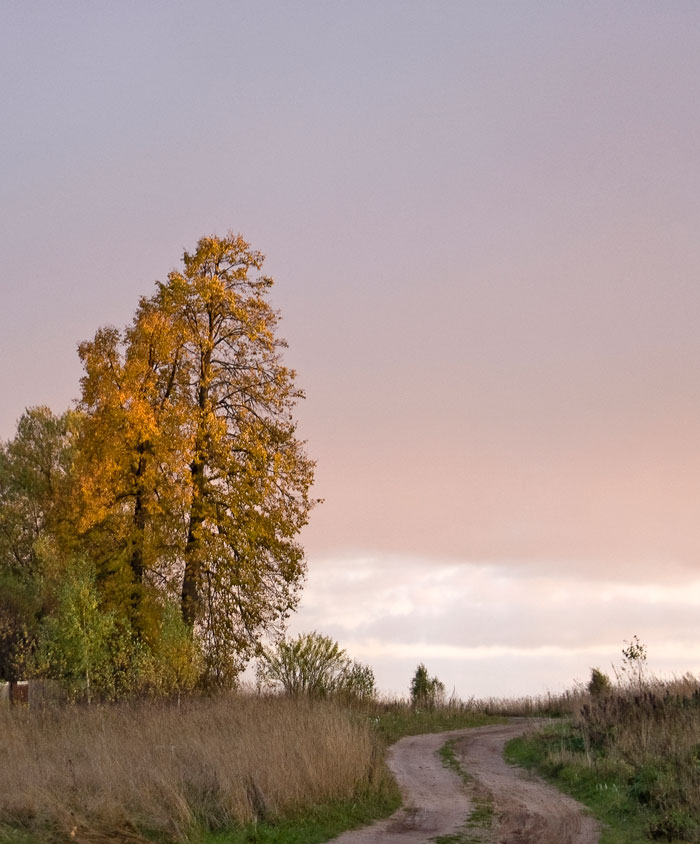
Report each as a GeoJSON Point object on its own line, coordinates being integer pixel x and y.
{"type": "Point", "coordinates": [249, 474]}
{"type": "Point", "coordinates": [191, 475]}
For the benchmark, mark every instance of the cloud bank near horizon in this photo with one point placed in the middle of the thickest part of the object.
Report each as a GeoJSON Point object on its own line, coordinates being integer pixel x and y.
{"type": "Point", "coordinates": [490, 629]}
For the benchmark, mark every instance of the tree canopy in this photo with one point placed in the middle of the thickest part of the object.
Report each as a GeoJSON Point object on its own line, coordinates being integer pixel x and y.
{"type": "Point", "coordinates": [177, 484]}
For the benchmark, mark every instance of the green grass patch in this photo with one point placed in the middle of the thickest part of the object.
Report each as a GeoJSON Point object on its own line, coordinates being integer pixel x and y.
{"type": "Point", "coordinates": [449, 760]}
{"type": "Point", "coordinates": [12, 835]}
{"type": "Point", "coordinates": [557, 754]}
{"type": "Point", "coordinates": [313, 826]}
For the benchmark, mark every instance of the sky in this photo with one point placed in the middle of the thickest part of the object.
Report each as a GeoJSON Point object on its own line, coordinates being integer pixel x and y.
{"type": "Point", "coordinates": [482, 222]}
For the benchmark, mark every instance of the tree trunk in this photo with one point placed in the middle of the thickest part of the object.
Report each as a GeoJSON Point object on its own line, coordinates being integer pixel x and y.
{"type": "Point", "coordinates": [137, 555]}
{"type": "Point", "coordinates": [136, 561]}
{"type": "Point", "coordinates": [191, 598]}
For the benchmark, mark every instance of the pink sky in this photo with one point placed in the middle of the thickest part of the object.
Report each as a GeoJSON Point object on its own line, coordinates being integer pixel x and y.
{"type": "Point", "coordinates": [482, 220]}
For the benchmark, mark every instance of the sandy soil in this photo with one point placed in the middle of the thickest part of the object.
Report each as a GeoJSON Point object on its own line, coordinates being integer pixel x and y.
{"type": "Point", "coordinates": [437, 802]}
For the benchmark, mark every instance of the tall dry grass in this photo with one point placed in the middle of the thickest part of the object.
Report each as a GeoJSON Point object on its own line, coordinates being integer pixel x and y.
{"type": "Point", "coordinates": [641, 740]}
{"type": "Point", "coordinates": [552, 705]}
{"type": "Point", "coordinates": [652, 731]}
{"type": "Point", "coordinates": [652, 718]}
{"type": "Point", "coordinates": [539, 706]}
{"type": "Point", "coordinates": [86, 772]}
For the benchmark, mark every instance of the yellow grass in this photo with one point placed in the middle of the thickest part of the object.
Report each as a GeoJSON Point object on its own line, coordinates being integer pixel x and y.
{"type": "Point", "coordinates": [166, 768]}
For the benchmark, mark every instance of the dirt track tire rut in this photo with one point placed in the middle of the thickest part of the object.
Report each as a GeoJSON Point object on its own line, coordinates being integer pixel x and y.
{"type": "Point", "coordinates": [527, 810]}
{"type": "Point", "coordinates": [436, 802]}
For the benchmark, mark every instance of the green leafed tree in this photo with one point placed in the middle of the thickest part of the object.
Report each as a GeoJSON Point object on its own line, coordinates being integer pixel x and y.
{"type": "Point", "coordinates": [426, 691]}
{"type": "Point", "coordinates": [34, 478]}
{"type": "Point", "coordinates": [34, 474]}
{"type": "Point", "coordinates": [19, 608]}
{"type": "Point", "coordinates": [357, 682]}
{"type": "Point", "coordinates": [79, 643]}
{"type": "Point", "coordinates": [87, 641]}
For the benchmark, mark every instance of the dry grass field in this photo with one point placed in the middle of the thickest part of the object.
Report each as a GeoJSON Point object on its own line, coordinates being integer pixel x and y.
{"type": "Point", "coordinates": [90, 773]}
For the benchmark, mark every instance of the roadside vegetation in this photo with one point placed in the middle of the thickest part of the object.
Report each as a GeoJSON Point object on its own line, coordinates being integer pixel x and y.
{"type": "Point", "coordinates": [631, 753]}
{"type": "Point", "coordinates": [300, 759]}
{"type": "Point", "coordinates": [239, 767]}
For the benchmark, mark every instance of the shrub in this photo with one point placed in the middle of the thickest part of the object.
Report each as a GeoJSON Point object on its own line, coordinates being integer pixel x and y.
{"type": "Point", "coordinates": [94, 653]}
{"type": "Point", "coordinates": [357, 682]}
{"type": "Point", "coordinates": [599, 684]}
{"type": "Point", "coordinates": [314, 664]}
{"type": "Point", "coordinates": [80, 643]}
{"type": "Point", "coordinates": [172, 662]}
{"type": "Point", "coordinates": [634, 663]}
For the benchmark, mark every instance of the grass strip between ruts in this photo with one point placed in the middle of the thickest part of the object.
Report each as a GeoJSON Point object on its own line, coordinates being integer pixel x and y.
{"type": "Point", "coordinates": [477, 827]}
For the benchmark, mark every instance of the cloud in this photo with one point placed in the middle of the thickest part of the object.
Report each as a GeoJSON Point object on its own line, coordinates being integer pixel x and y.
{"type": "Point", "coordinates": [507, 627]}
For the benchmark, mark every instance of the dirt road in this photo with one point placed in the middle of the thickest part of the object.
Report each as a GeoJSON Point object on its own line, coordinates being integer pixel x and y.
{"type": "Point", "coordinates": [436, 801]}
